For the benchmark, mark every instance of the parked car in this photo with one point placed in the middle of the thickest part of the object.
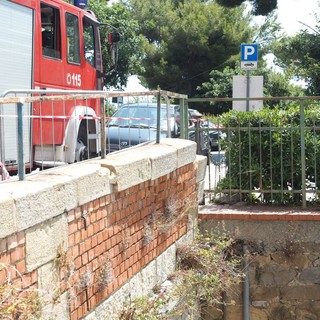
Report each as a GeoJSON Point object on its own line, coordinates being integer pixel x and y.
{"type": "Point", "coordinates": [136, 123]}
{"type": "Point", "coordinates": [212, 135]}
{"type": "Point", "coordinates": [215, 135]}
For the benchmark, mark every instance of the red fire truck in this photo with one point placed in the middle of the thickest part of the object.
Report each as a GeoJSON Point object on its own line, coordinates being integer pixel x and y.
{"type": "Point", "coordinates": [50, 45]}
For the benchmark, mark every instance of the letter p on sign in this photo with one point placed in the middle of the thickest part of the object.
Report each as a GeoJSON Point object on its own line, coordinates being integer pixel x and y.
{"type": "Point", "coordinates": [249, 52]}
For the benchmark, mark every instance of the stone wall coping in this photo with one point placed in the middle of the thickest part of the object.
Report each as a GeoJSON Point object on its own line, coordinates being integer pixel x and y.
{"type": "Point", "coordinates": [242, 211]}
{"type": "Point", "coordinates": [52, 192]}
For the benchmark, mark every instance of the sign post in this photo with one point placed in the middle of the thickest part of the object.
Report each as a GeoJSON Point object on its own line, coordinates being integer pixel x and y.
{"type": "Point", "coordinates": [249, 61]}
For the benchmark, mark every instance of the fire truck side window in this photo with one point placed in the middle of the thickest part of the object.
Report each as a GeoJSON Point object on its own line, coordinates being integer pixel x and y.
{"type": "Point", "coordinates": [73, 46]}
{"type": "Point", "coordinates": [50, 27]}
{"type": "Point", "coordinates": [88, 36]}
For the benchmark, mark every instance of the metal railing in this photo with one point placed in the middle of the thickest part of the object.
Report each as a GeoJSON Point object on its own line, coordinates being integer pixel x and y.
{"type": "Point", "coordinates": [259, 161]}
{"type": "Point", "coordinates": [47, 128]}
{"type": "Point", "coordinates": [269, 157]}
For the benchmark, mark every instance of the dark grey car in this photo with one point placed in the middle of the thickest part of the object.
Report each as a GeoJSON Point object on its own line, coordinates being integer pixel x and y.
{"type": "Point", "coordinates": [133, 124]}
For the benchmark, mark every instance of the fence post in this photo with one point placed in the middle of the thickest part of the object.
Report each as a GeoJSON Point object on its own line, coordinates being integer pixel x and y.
{"type": "Point", "coordinates": [21, 165]}
{"type": "Point", "coordinates": [184, 119]}
{"type": "Point", "coordinates": [158, 116]}
{"type": "Point", "coordinates": [103, 128]}
{"type": "Point", "coordinates": [303, 155]}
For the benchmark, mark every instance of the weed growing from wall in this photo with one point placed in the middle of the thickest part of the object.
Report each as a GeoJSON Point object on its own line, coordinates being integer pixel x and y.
{"type": "Point", "coordinates": [105, 274]}
{"type": "Point", "coordinates": [16, 302]}
{"type": "Point", "coordinates": [125, 237]}
{"type": "Point", "coordinates": [148, 235]}
{"type": "Point", "coordinates": [206, 268]}
{"type": "Point", "coordinates": [174, 211]}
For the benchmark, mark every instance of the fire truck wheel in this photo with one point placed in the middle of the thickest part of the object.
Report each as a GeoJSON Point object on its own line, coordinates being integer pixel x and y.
{"type": "Point", "coordinates": [81, 151]}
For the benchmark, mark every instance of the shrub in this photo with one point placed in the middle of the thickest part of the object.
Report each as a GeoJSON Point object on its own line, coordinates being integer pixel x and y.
{"type": "Point", "coordinates": [263, 150]}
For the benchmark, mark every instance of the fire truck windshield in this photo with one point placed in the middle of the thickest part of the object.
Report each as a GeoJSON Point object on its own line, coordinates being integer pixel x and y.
{"type": "Point", "coordinates": [88, 36]}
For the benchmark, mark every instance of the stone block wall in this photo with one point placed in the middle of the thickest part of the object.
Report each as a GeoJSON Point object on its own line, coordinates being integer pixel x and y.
{"type": "Point", "coordinates": [284, 263]}
{"type": "Point", "coordinates": [86, 233]}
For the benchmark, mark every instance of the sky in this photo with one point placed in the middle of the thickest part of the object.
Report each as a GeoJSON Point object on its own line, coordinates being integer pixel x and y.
{"type": "Point", "coordinates": [290, 12]}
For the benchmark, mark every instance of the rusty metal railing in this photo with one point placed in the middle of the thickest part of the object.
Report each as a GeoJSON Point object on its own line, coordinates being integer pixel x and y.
{"type": "Point", "coordinates": [47, 128]}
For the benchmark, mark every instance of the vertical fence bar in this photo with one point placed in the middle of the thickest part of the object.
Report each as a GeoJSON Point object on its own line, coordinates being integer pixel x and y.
{"type": "Point", "coordinates": [303, 155]}
{"type": "Point", "coordinates": [281, 158]}
{"type": "Point", "coordinates": [21, 165]}
{"type": "Point", "coordinates": [183, 119]}
{"type": "Point", "coordinates": [260, 162]}
{"type": "Point", "coordinates": [240, 155]}
{"type": "Point", "coordinates": [158, 116]}
{"type": "Point", "coordinates": [250, 159]}
{"type": "Point", "coordinates": [271, 160]}
{"type": "Point", "coordinates": [103, 142]}
{"type": "Point", "coordinates": [315, 158]}
{"type": "Point", "coordinates": [292, 159]}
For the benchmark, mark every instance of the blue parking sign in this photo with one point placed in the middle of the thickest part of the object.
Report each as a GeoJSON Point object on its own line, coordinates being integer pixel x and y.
{"type": "Point", "coordinates": [249, 56]}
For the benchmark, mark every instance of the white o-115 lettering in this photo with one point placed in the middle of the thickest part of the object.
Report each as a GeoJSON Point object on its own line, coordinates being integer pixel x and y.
{"type": "Point", "coordinates": [74, 79]}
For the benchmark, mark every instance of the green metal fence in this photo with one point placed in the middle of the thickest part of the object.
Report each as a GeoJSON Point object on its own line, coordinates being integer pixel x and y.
{"type": "Point", "coordinates": [269, 155]}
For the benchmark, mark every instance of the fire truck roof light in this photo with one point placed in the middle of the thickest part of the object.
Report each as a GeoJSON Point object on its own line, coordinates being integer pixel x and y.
{"type": "Point", "coordinates": [81, 3]}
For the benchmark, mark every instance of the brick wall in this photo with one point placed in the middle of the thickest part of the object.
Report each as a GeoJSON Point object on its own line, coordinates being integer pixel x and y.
{"type": "Point", "coordinates": [119, 234]}
{"type": "Point", "coordinates": [98, 228]}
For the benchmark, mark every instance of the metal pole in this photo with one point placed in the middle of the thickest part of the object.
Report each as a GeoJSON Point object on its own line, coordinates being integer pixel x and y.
{"type": "Point", "coordinates": [21, 165]}
{"type": "Point", "coordinates": [103, 129]}
{"type": "Point", "coordinates": [158, 117]}
{"type": "Point", "coordinates": [303, 156]}
{"type": "Point", "coordinates": [246, 285]}
{"type": "Point", "coordinates": [183, 119]}
{"type": "Point", "coordinates": [248, 91]}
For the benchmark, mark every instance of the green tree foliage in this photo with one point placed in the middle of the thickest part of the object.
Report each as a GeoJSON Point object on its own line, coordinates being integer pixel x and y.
{"type": "Point", "coordinates": [260, 7]}
{"type": "Point", "coordinates": [299, 55]}
{"type": "Point", "coordinates": [186, 40]}
{"type": "Point", "coordinates": [276, 84]}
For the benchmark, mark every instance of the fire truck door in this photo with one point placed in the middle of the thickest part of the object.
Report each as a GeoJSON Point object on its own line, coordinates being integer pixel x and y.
{"type": "Point", "coordinates": [16, 70]}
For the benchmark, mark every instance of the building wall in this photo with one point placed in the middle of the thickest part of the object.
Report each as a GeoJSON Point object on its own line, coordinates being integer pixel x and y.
{"type": "Point", "coordinates": [87, 233]}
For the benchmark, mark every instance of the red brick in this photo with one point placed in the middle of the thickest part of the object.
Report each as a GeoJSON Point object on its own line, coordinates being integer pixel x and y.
{"type": "Point", "coordinates": [90, 207]}
{"type": "Point", "coordinates": [77, 262]}
{"type": "Point", "coordinates": [97, 227]}
{"type": "Point", "coordinates": [91, 254]}
{"type": "Point", "coordinates": [5, 258]}
{"type": "Point", "coordinates": [3, 276]}
{"type": "Point", "coordinates": [78, 213]}
{"type": "Point", "coordinates": [74, 315]}
{"type": "Point", "coordinates": [82, 247]}
{"type": "Point", "coordinates": [21, 266]}
{"type": "Point", "coordinates": [27, 280]}
{"type": "Point", "coordinates": [34, 277]}
{"type": "Point", "coordinates": [12, 242]}
{"type": "Point", "coordinates": [3, 245]}
{"type": "Point", "coordinates": [84, 259]}
{"type": "Point", "coordinates": [21, 238]}
{"type": "Point", "coordinates": [77, 237]}
{"type": "Point", "coordinates": [17, 254]}
{"type": "Point", "coordinates": [96, 204]}
{"type": "Point", "coordinates": [94, 240]}
{"type": "Point", "coordinates": [84, 233]}
{"type": "Point", "coordinates": [72, 227]}
{"type": "Point", "coordinates": [71, 240]}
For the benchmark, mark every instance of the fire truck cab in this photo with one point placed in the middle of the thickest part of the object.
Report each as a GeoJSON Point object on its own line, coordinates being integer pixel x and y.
{"type": "Point", "coordinates": [50, 44]}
